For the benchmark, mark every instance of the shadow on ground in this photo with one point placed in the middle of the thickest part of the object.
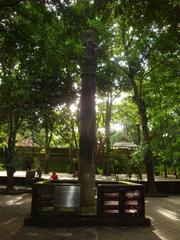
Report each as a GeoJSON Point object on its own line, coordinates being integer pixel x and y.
{"type": "Point", "coordinates": [14, 208]}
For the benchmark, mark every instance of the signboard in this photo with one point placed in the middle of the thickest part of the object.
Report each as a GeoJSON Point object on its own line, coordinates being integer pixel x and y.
{"type": "Point", "coordinates": [67, 196]}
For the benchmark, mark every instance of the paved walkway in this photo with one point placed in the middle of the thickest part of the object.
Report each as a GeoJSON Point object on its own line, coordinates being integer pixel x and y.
{"type": "Point", "coordinates": [164, 212]}
{"type": "Point", "coordinates": [68, 176]}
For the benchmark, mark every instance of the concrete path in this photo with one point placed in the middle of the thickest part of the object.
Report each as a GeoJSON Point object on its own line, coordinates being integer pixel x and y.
{"type": "Point", "coordinates": [164, 212]}
{"type": "Point", "coordinates": [68, 176]}
{"type": "Point", "coordinates": [165, 216]}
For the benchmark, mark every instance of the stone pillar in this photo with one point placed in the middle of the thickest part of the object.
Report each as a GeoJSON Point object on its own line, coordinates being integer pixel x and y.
{"type": "Point", "coordinates": [88, 124]}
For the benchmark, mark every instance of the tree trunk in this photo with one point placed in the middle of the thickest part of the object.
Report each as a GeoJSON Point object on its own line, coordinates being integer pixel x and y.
{"type": "Point", "coordinates": [33, 152]}
{"type": "Point", "coordinates": [47, 146]}
{"type": "Point", "coordinates": [100, 152]}
{"type": "Point", "coordinates": [138, 134]}
{"type": "Point", "coordinates": [131, 72]}
{"type": "Point", "coordinates": [87, 129]}
{"type": "Point", "coordinates": [73, 145]}
{"type": "Point", "coordinates": [74, 135]}
{"type": "Point", "coordinates": [12, 128]}
{"type": "Point", "coordinates": [165, 169]}
{"type": "Point", "coordinates": [163, 147]}
{"type": "Point", "coordinates": [148, 158]}
{"type": "Point", "coordinates": [174, 165]}
{"type": "Point", "coordinates": [70, 158]}
{"type": "Point", "coordinates": [106, 169]}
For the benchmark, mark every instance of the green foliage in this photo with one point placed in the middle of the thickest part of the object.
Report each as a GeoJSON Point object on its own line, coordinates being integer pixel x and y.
{"type": "Point", "coordinates": [3, 143]}
{"type": "Point", "coordinates": [2, 167]}
{"type": "Point", "coordinates": [99, 170]}
{"type": "Point", "coordinates": [118, 162]}
{"type": "Point", "coordinates": [126, 113]}
{"type": "Point", "coordinates": [58, 166]}
{"type": "Point", "coordinates": [137, 161]}
{"type": "Point", "coordinates": [41, 47]}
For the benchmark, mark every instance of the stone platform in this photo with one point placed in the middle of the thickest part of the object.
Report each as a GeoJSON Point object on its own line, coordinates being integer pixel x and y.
{"type": "Point", "coordinates": [163, 212]}
{"type": "Point", "coordinates": [85, 221]}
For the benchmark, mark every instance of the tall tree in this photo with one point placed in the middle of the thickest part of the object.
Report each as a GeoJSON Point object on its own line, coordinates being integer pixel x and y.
{"type": "Point", "coordinates": [32, 66]}
{"type": "Point", "coordinates": [110, 85]}
{"type": "Point", "coordinates": [135, 47]}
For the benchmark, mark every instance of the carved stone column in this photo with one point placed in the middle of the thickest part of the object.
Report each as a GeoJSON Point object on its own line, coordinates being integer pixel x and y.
{"type": "Point", "coordinates": [88, 122]}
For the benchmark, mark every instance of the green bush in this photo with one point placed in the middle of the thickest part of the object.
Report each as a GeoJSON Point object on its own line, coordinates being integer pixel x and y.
{"type": "Point", "coordinates": [118, 162]}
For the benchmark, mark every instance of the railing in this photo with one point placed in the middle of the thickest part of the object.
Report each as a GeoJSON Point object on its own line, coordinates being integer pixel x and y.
{"type": "Point", "coordinates": [120, 200]}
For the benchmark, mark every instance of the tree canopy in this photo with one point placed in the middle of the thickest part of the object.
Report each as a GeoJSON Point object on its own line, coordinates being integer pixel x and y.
{"type": "Point", "coordinates": [137, 52]}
